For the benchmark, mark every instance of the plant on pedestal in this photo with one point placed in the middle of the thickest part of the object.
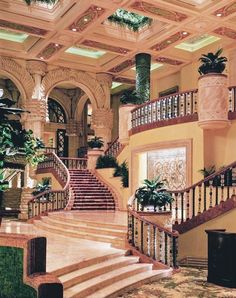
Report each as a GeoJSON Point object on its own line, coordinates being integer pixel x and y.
{"type": "Point", "coordinates": [153, 194]}
{"type": "Point", "coordinates": [106, 161]}
{"type": "Point", "coordinates": [95, 143]}
{"type": "Point", "coordinates": [212, 92]}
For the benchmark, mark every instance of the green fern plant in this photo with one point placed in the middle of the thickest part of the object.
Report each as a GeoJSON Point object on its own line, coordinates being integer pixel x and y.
{"type": "Point", "coordinates": [212, 63]}
{"type": "Point", "coordinates": [106, 161]}
{"type": "Point", "coordinates": [123, 172]}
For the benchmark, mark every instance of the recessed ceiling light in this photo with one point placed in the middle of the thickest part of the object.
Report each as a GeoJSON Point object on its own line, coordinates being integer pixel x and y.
{"type": "Point", "coordinates": [85, 19]}
{"type": "Point", "coordinates": [168, 41]}
{"type": "Point", "coordinates": [41, 58]}
{"type": "Point", "coordinates": [219, 14]}
{"type": "Point", "coordinates": [56, 45]}
{"type": "Point", "coordinates": [185, 33]}
{"type": "Point", "coordinates": [74, 29]}
{"type": "Point", "coordinates": [99, 8]}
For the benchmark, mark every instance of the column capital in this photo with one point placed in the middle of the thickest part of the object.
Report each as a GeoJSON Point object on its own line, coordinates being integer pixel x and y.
{"type": "Point", "coordinates": [36, 67]}
{"type": "Point", "coordinates": [102, 118]}
{"type": "Point", "coordinates": [105, 78]}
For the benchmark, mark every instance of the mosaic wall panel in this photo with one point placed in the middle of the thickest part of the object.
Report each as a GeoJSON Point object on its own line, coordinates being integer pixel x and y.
{"type": "Point", "coordinates": [159, 11]}
{"type": "Point", "coordinates": [169, 164]}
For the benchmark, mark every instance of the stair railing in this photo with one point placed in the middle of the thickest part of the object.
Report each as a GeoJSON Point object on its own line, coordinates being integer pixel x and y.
{"type": "Point", "coordinates": [154, 241]}
{"type": "Point", "coordinates": [114, 148]}
{"type": "Point", "coordinates": [51, 200]}
{"type": "Point", "coordinates": [75, 163]}
{"type": "Point", "coordinates": [204, 195]}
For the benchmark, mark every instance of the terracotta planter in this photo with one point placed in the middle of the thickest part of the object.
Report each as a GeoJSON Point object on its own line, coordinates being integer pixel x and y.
{"type": "Point", "coordinates": [125, 122]}
{"type": "Point", "coordinates": [163, 218]}
{"type": "Point", "coordinates": [213, 101]}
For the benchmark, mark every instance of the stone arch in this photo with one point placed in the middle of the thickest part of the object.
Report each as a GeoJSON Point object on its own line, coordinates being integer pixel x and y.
{"type": "Point", "coordinates": [80, 107]}
{"type": "Point", "coordinates": [57, 96]}
{"type": "Point", "coordinates": [19, 75]}
{"type": "Point", "coordinates": [80, 79]}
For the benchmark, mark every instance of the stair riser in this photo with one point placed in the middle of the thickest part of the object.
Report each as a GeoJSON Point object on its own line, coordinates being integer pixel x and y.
{"type": "Point", "coordinates": [105, 283]}
{"type": "Point", "coordinates": [85, 229]}
{"type": "Point", "coordinates": [89, 275]}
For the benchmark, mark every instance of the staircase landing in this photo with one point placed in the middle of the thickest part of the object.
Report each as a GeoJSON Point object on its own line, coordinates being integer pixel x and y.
{"type": "Point", "coordinates": [88, 268]}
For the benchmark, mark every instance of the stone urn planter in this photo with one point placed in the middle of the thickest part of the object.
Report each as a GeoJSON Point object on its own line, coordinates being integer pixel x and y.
{"type": "Point", "coordinates": [213, 101]}
{"type": "Point", "coordinates": [161, 218]}
{"type": "Point", "coordinates": [125, 122]}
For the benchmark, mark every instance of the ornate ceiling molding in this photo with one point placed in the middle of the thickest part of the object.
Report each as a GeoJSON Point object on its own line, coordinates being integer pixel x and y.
{"type": "Point", "coordinates": [224, 31]}
{"type": "Point", "coordinates": [103, 46]}
{"type": "Point", "coordinates": [80, 79]}
{"type": "Point", "coordinates": [124, 65]}
{"type": "Point", "coordinates": [50, 50]}
{"type": "Point", "coordinates": [23, 28]}
{"type": "Point", "coordinates": [170, 40]}
{"type": "Point", "coordinates": [20, 76]}
{"type": "Point", "coordinates": [88, 17]}
{"type": "Point", "coordinates": [170, 61]}
{"type": "Point", "coordinates": [226, 10]}
{"type": "Point", "coordinates": [159, 11]}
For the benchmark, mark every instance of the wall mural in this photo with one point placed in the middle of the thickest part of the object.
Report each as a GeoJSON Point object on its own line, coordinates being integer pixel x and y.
{"type": "Point", "coordinates": [169, 164]}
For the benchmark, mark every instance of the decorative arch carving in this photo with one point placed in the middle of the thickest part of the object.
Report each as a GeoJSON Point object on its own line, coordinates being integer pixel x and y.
{"type": "Point", "coordinates": [19, 75]}
{"type": "Point", "coordinates": [79, 78]}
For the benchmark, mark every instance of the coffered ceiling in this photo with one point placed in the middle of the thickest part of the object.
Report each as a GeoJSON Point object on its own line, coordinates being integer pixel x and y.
{"type": "Point", "coordinates": [77, 34]}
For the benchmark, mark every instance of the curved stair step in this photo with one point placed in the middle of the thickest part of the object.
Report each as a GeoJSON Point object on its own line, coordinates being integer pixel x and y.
{"type": "Point", "coordinates": [80, 228]}
{"type": "Point", "coordinates": [71, 233]}
{"type": "Point", "coordinates": [89, 287]}
{"type": "Point", "coordinates": [81, 275]}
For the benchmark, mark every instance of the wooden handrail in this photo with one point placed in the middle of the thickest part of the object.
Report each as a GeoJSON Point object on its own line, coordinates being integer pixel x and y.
{"type": "Point", "coordinates": [75, 163]}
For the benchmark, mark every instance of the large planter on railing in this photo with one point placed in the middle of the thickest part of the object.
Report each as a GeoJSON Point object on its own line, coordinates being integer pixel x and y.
{"type": "Point", "coordinates": [125, 122]}
{"type": "Point", "coordinates": [93, 155]}
{"type": "Point", "coordinates": [213, 101]}
{"type": "Point", "coordinates": [162, 218]}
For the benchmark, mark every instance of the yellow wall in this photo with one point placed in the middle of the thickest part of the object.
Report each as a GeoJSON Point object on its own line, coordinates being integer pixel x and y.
{"type": "Point", "coordinates": [194, 242]}
{"type": "Point", "coordinates": [158, 85]}
{"type": "Point", "coordinates": [220, 146]}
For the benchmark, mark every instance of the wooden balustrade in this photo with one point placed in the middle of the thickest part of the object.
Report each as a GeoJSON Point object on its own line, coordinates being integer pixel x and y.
{"type": "Point", "coordinates": [114, 148]}
{"type": "Point", "coordinates": [204, 195]}
{"type": "Point", "coordinates": [152, 240]}
{"type": "Point", "coordinates": [75, 163]}
{"type": "Point", "coordinates": [51, 200]}
{"type": "Point", "coordinates": [168, 107]}
{"type": "Point", "coordinates": [50, 150]}
{"type": "Point", "coordinates": [232, 99]}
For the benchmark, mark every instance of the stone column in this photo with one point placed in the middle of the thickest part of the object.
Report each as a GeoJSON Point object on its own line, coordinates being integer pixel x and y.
{"type": "Point", "coordinates": [232, 68]}
{"type": "Point", "coordinates": [102, 122]}
{"type": "Point", "coordinates": [143, 75]}
{"type": "Point", "coordinates": [105, 80]}
{"type": "Point", "coordinates": [38, 70]}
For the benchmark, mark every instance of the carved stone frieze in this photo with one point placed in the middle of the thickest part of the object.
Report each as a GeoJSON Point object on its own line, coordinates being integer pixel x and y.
{"type": "Point", "coordinates": [80, 79]}
{"type": "Point", "coordinates": [102, 118]}
{"type": "Point", "coordinates": [19, 75]}
{"type": "Point", "coordinates": [37, 111]}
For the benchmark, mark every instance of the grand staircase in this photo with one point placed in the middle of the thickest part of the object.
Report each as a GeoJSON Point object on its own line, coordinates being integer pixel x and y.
{"type": "Point", "coordinates": [89, 192]}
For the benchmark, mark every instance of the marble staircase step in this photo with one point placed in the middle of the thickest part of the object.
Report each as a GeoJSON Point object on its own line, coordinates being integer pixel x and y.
{"type": "Point", "coordinates": [86, 222]}
{"type": "Point", "coordinates": [89, 229]}
{"type": "Point", "coordinates": [92, 285]}
{"type": "Point", "coordinates": [81, 275]}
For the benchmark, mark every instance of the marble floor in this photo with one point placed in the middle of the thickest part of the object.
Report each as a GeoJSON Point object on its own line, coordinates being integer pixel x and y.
{"type": "Point", "coordinates": [63, 251]}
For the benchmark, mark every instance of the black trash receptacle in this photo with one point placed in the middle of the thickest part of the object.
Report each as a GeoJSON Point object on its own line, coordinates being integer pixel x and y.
{"type": "Point", "coordinates": [221, 258]}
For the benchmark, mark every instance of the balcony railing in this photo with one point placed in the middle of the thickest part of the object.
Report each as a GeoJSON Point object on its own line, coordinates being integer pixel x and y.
{"type": "Point", "coordinates": [51, 200]}
{"type": "Point", "coordinates": [168, 107]}
{"type": "Point", "coordinates": [114, 148]}
{"type": "Point", "coordinates": [75, 163]}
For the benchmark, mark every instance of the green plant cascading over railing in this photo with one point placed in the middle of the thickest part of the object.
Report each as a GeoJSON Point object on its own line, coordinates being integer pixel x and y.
{"type": "Point", "coordinates": [130, 97]}
{"type": "Point", "coordinates": [123, 172]}
{"type": "Point", "coordinates": [212, 63]}
{"type": "Point", "coordinates": [130, 20]}
{"type": "Point", "coordinates": [143, 75]}
{"type": "Point", "coordinates": [96, 142]}
{"type": "Point", "coordinates": [106, 161]}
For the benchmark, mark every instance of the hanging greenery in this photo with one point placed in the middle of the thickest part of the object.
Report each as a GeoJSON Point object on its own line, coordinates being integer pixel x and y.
{"type": "Point", "coordinates": [130, 20]}
{"type": "Point", "coordinates": [49, 2]}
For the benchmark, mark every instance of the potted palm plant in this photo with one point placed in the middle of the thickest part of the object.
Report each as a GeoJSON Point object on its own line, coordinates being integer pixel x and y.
{"type": "Point", "coordinates": [95, 143]}
{"type": "Point", "coordinates": [153, 194]}
{"type": "Point", "coordinates": [212, 91]}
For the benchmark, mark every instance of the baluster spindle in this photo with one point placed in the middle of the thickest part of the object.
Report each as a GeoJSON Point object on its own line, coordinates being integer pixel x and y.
{"type": "Point", "coordinates": [199, 198]}
{"type": "Point", "coordinates": [210, 192]}
{"type": "Point", "coordinates": [222, 185]}
{"type": "Point", "coordinates": [187, 205]}
{"type": "Point", "coordinates": [176, 209]}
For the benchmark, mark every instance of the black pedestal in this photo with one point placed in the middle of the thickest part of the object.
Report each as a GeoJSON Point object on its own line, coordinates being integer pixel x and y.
{"type": "Point", "coordinates": [222, 258]}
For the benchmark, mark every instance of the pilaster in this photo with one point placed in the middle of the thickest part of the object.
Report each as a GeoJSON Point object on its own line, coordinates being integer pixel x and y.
{"type": "Point", "coordinates": [105, 81]}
